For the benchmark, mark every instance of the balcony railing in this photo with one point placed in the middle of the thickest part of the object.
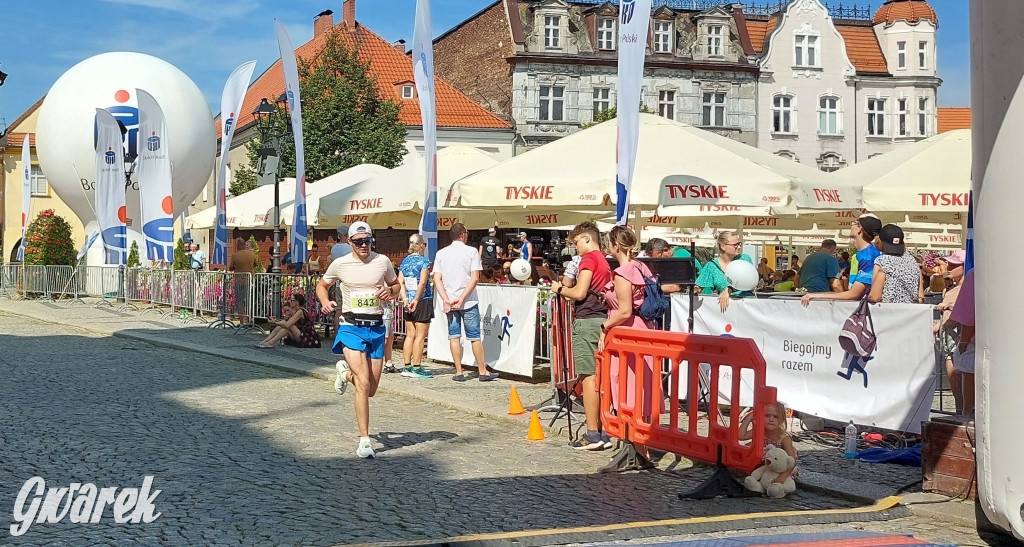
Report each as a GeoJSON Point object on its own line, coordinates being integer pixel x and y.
{"type": "Point", "coordinates": [836, 10]}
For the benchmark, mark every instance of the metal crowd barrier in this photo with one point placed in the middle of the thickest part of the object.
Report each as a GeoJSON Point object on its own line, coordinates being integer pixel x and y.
{"type": "Point", "coordinates": [10, 280]}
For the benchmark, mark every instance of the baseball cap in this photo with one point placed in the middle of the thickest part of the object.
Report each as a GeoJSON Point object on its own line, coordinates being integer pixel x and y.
{"type": "Point", "coordinates": [958, 258]}
{"type": "Point", "coordinates": [522, 234]}
{"type": "Point", "coordinates": [492, 230]}
{"type": "Point", "coordinates": [343, 229]}
{"type": "Point", "coordinates": [359, 228]}
{"type": "Point", "coordinates": [871, 225]}
{"type": "Point", "coordinates": [893, 242]}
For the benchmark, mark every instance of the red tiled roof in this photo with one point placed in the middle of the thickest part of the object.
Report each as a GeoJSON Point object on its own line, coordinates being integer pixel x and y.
{"type": "Point", "coordinates": [910, 10]}
{"type": "Point", "coordinates": [862, 48]}
{"type": "Point", "coordinates": [953, 118]}
{"type": "Point", "coordinates": [17, 139]}
{"type": "Point", "coordinates": [759, 31]}
{"type": "Point", "coordinates": [390, 67]}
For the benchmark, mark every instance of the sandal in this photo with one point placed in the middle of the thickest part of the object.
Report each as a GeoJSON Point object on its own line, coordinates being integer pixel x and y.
{"type": "Point", "coordinates": [261, 346]}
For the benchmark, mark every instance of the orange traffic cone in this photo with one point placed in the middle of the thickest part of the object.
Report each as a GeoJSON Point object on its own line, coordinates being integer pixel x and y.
{"type": "Point", "coordinates": [536, 431]}
{"type": "Point", "coordinates": [515, 406]}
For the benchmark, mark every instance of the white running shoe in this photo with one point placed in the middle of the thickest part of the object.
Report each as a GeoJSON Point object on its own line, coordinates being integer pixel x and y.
{"type": "Point", "coordinates": [365, 449]}
{"type": "Point", "coordinates": [341, 383]}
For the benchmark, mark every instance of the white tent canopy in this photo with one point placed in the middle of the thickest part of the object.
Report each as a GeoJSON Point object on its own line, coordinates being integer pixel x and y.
{"type": "Point", "coordinates": [928, 181]}
{"type": "Point", "coordinates": [677, 165]}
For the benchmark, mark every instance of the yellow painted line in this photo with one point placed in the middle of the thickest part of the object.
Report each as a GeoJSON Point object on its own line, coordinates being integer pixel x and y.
{"type": "Point", "coordinates": [880, 505]}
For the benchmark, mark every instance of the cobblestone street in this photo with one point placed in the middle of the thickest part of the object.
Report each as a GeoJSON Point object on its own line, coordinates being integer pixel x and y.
{"type": "Point", "coordinates": [246, 454]}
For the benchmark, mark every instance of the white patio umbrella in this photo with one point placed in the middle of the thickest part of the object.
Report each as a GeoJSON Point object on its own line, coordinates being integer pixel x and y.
{"type": "Point", "coordinates": [253, 209]}
{"type": "Point", "coordinates": [396, 198]}
{"type": "Point", "coordinates": [928, 181]}
{"type": "Point", "coordinates": [677, 164]}
{"type": "Point", "coordinates": [315, 191]}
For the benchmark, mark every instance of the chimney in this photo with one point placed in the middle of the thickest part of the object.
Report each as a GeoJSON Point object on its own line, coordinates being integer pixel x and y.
{"type": "Point", "coordinates": [323, 23]}
{"type": "Point", "coordinates": [348, 13]}
{"type": "Point", "coordinates": [400, 46]}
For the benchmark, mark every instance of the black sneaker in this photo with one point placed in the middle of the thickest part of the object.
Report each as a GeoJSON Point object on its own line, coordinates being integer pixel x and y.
{"type": "Point", "coordinates": [390, 369]}
{"type": "Point", "coordinates": [586, 443]}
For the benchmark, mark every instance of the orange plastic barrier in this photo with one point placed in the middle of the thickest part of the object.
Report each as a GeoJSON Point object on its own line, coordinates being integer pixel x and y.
{"type": "Point", "coordinates": [563, 368]}
{"type": "Point", "coordinates": [643, 405]}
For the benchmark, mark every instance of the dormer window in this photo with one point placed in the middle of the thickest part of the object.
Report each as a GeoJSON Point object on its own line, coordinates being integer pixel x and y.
{"type": "Point", "coordinates": [714, 40]}
{"type": "Point", "coordinates": [552, 31]}
{"type": "Point", "coordinates": [408, 92]}
{"type": "Point", "coordinates": [606, 33]}
{"type": "Point", "coordinates": [663, 31]}
{"type": "Point", "coordinates": [901, 55]}
{"type": "Point", "coordinates": [805, 50]}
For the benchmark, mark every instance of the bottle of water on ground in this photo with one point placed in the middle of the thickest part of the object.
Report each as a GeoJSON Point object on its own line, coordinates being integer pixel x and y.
{"type": "Point", "coordinates": [851, 441]}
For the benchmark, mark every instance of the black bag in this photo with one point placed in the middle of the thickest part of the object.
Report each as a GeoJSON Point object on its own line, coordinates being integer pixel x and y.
{"type": "Point", "coordinates": [858, 334]}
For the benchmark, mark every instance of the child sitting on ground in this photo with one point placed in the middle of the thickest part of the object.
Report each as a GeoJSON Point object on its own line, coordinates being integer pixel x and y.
{"type": "Point", "coordinates": [774, 434]}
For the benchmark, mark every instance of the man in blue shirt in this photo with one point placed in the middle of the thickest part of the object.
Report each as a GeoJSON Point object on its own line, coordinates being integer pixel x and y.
{"type": "Point", "coordinates": [863, 231]}
{"type": "Point", "coordinates": [341, 248]}
{"type": "Point", "coordinates": [820, 272]}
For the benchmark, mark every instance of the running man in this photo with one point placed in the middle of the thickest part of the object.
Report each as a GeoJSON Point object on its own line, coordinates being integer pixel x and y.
{"type": "Point", "coordinates": [366, 279]}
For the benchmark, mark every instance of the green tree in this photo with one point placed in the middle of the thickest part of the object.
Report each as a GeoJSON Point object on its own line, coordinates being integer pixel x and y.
{"type": "Point", "coordinates": [346, 121]}
{"type": "Point", "coordinates": [610, 114]}
{"type": "Point", "coordinates": [48, 241]}
{"type": "Point", "coordinates": [133, 255]}
{"type": "Point", "coordinates": [181, 259]}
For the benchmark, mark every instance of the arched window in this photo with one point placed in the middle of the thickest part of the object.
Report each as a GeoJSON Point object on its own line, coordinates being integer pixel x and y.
{"type": "Point", "coordinates": [783, 118]}
{"type": "Point", "coordinates": [830, 120]}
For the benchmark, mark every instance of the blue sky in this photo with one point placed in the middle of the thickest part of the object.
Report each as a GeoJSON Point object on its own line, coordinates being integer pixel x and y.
{"type": "Point", "coordinates": [208, 38]}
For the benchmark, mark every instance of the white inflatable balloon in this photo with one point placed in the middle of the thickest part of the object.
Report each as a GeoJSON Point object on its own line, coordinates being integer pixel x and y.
{"type": "Point", "coordinates": [742, 275]}
{"type": "Point", "coordinates": [520, 269]}
{"type": "Point", "coordinates": [65, 131]}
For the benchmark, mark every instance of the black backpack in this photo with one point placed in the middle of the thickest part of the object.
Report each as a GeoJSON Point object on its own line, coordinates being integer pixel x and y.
{"type": "Point", "coordinates": [656, 302]}
{"type": "Point", "coordinates": [858, 334]}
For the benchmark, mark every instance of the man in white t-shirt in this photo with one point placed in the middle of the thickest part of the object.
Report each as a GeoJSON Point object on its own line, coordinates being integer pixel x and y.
{"type": "Point", "coordinates": [367, 280]}
{"type": "Point", "coordinates": [456, 273]}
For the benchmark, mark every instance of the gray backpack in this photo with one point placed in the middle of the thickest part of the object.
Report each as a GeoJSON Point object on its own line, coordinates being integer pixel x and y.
{"type": "Point", "coordinates": [858, 334]}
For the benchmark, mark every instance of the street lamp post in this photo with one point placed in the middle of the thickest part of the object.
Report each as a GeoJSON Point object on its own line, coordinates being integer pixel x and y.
{"type": "Point", "coordinates": [272, 136]}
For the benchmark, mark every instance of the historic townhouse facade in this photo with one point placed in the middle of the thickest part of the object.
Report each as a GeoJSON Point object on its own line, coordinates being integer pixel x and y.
{"type": "Point", "coordinates": [839, 88]}
{"type": "Point", "coordinates": [549, 66]}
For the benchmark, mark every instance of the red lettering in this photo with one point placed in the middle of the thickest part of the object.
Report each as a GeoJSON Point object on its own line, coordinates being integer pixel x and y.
{"type": "Point", "coordinates": [824, 195]}
{"type": "Point", "coordinates": [529, 192]}
{"type": "Point", "coordinates": [948, 200]}
{"type": "Point", "coordinates": [532, 220]}
{"type": "Point", "coordinates": [760, 221]}
{"type": "Point", "coordinates": [676, 191]}
{"type": "Point", "coordinates": [349, 219]}
{"type": "Point", "coordinates": [357, 204]}
{"type": "Point", "coordinates": [662, 220]}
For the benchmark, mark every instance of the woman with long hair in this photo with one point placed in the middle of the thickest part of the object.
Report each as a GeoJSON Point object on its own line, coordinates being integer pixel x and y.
{"type": "Point", "coordinates": [414, 277]}
{"type": "Point", "coordinates": [712, 278]}
{"type": "Point", "coordinates": [298, 330]}
{"type": "Point", "coordinates": [623, 297]}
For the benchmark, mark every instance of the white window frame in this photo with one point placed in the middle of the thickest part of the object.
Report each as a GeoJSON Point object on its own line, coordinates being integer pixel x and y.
{"type": "Point", "coordinates": [663, 36]}
{"type": "Point", "coordinates": [875, 110]}
{"type": "Point", "coordinates": [712, 108]}
{"type": "Point", "coordinates": [901, 55]}
{"type": "Point", "coordinates": [824, 111]}
{"type": "Point", "coordinates": [40, 186]}
{"type": "Point", "coordinates": [922, 54]}
{"type": "Point", "coordinates": [667, 104]}
{"type": "Point", "coordinates": [606, 32]}
{"type": "Point", "coordinates": [552, 32]}
{"type": "Point", "coordinates": [408, 92]}
{"type": "Point", "coordinates": [805, 50]}
{"type": "Point", "coordinates": [901, 117]}
{"type": "Point", "coordinates": [552, 96]}
{"type": "Point", "coordinates": [715, 40]}
{"type": "Point", "coordinates": [784, 114]}
{"type": "Point", "coordinates": [602, 99]}
{"type": "Point", "coordinates": [922, 117]}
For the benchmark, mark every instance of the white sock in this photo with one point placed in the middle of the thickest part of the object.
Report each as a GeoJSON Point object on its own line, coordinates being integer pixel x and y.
{"type": "Point", "coordinates": [364, 439]}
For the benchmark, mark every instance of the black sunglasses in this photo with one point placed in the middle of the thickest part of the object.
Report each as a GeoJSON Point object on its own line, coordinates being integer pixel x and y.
{"type": "Point", "coordinates": [362, 241]}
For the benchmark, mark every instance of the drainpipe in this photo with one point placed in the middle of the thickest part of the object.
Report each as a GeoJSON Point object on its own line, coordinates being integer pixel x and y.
{"type": "Point", "coordinates": [856, 116]}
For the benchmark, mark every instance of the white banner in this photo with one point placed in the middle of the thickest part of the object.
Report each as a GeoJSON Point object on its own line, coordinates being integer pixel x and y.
{"type": "Point", "coordinates": [423, 70]}
{"type": "Point", "coordinates": [111, 213]}
{"type": "Point", "coordinates": [26, 193]}
{"type": "Point", "coordinates": [155, 180]}
{"type": "Point", "coordinates": [230, 103]}
{"type": "Point", "coordinates": [508, 326]}
{"type": "Point", "coordinates": [634, 20]}
{"type": "Point", "coordinates": [300, 226]}
{"type": "Point", "coordinates": [892, 389]}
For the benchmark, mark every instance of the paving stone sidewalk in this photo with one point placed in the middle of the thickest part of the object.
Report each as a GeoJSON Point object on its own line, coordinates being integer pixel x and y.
{"type": "Point", "coordinates": [822, 467]}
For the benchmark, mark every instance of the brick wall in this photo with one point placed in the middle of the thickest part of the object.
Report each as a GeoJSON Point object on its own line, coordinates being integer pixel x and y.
{"type": "Point", "coordinates": [472, 58]}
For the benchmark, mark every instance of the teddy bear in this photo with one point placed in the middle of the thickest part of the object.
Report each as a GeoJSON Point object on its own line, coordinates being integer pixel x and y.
{"type": "Point", "coordinates": [762, 479]}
